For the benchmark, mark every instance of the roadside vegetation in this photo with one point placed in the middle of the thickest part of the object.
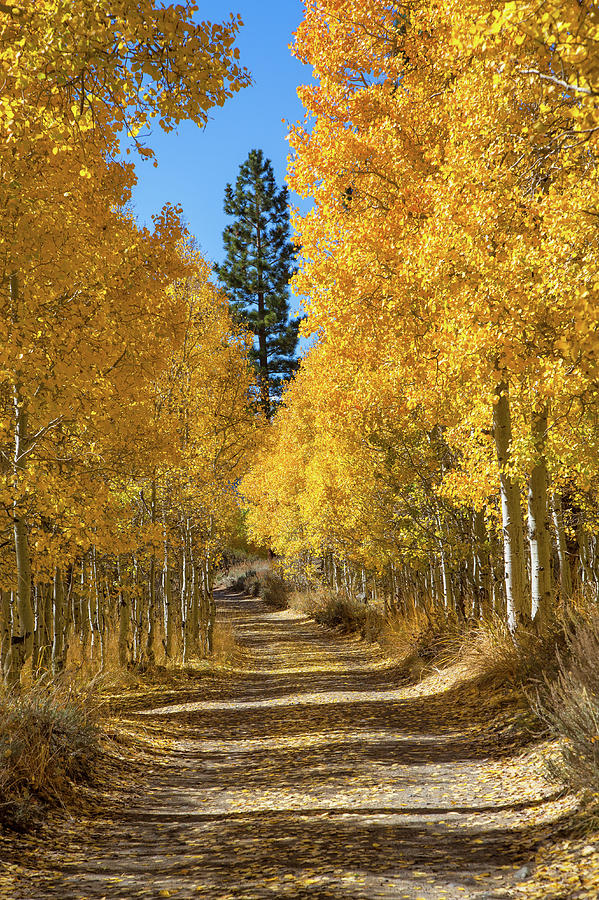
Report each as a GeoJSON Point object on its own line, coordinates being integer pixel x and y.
{"type": "Point", "coordinates": [257, 578]}
{"type": "Point", "coordinates": [49, 744]}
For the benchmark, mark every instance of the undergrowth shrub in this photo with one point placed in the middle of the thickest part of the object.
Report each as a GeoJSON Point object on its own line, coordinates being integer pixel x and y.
{"type": "Point", "coordinates": [274, 591]}
{"type": "Point", "coordinates": [267, 585]}
{"type": "Point", "coordinates": [49, 739]}
{"type": "Point", "coordinates": [490, 653]}
{"type": "Point", "coordinates": [351, 616]}
{"type": "Point", "coordinates": [569, 705]}
{"type": "Point", "coordinates": [247, 583]}
{"type": "Point", "coordinates": [422, 637]}
{"type": "Point", "coordinates": [225, 646]}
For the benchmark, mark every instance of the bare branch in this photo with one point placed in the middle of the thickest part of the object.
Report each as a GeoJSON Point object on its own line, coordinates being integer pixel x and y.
{"type": "Point", "coordinates": [559, 82]}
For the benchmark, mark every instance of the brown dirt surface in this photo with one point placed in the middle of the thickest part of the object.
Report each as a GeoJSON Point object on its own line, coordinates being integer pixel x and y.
{"type": "Point", "coordinates": [314, 770]}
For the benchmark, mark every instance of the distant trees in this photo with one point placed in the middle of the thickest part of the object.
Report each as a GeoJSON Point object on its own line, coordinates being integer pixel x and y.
{"type": "Point", "coordinates": [94, 313]}
{"type": "Point", "coordinates": [443, 432]}
{"type": "Point", "coordinates": [259, 261]}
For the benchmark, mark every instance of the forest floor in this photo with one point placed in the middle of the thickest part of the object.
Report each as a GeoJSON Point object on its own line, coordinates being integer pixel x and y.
{"type": "Point", "coordinates": [311, 770]}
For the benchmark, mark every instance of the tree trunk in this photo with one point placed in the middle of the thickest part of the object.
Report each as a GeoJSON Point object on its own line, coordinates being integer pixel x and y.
{"type": "Point", "coordinates": [150, 655]}
{"type": "Point", "coordinates": [169, 605]}
{"type": "Point", "coordinates": [511, 515]}
{"type": "Point", "coordinates": [566, 587]}
{"type": "Point", "coordinates": [6, 627]}
{"type": "Point", "coordinates": [22, 640]}
{"type": "Point", "coordinates": [193, 619]}
{"type": "Point", "coordinates": [483, 563]}
{"type": "Point", "coordinates": [262, 345]}
{"type": "Point", "coordinates": [59, 627]}
{"type": "Point", "coordinates": [185, 595]}
{"type": "Point", "coordinates": [124, 617]}
{"type": "Point", "coordinates": [538, 525]}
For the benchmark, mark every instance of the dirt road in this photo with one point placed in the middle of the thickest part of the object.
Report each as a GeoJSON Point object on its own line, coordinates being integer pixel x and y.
{"type": "Point", "coordinates": [315, 772]}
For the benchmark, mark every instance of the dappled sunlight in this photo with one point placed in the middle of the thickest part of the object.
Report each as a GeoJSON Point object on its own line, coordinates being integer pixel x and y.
{"type": "Point", "coordinates": [308, 780]}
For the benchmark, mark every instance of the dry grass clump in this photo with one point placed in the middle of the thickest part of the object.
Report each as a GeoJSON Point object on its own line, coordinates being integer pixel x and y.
{"type": "Point", "coordinates": [490, 654]}
{"type": "Point", "coordinates": [49, 740]}
{"type": "Point", "coordinates": [422, 637]}
{"type": "Point", "coordinates": [224, 646]}
{"type": "Point", "coordinates": [247, 583]}
{"type": "Point", "coordinates": [274, 591]}
{"type": "Point", "coordinates": [244, 576]}
{"type": "Point", "coordinates": [418, 638]}
{"type": "Point", "coordinates": [263, 583]}
{"type": "Point", "coordinates": [569, 705]}
{"type": "Point", "coordinates": [349, 615]}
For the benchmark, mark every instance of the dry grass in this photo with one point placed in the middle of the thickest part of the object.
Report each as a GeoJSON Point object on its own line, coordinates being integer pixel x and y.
{"type": "Point", "coordinates": [348, 615]}
{"type": "Point", "coordinates": [224, 648]}
{"type": "Point", "coordinates": [489, 653]}
{"type": "Point", "coordinates": [245, 576]}
{"type": "Point", "coordinates": [275, 591]}
{"type": "Point", "coordinates": [259, 581]}
{"type": "Point", "coordinates": [422, 639]}
{"type": "Point", "coordinates": [569, 704]}
{"type": "Point", "coordinates": [49, 741]}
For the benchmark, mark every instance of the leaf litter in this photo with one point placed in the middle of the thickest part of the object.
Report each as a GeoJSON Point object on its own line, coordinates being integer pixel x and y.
{"type": "Point", "coordinates": [315, 770]}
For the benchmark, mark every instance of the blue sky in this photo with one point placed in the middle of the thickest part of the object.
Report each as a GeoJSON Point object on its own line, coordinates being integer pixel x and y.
{"type": "Point", "coordinates": [194, 165]}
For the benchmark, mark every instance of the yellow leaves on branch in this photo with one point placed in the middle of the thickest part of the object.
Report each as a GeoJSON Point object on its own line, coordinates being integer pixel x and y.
{"type": "Point", "coordinates": [450, 149]}
{"type": "Point", "coordinates": [118, 64]}
{"type": "Point", "coordinates": [95, 308]}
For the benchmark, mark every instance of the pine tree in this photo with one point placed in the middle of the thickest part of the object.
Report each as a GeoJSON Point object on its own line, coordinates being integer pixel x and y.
{"type": "Point", "coordinates": [259, 261]}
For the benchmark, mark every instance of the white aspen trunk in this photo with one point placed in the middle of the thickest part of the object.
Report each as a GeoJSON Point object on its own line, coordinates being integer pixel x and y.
{"type": "Point", "coordinates": [209, 582]}
{"type": "Point", "coordinates": [37, 627]}
{"type": "Point", "coordinates": [135, 613]}
{"type": "Point", "coordinates": [48, 642]}
{"type": "Point", "coordinates": [336, 576]}
{"type": "Point", "coordinates": [392, 598]}
{"type": "Point", "coordinates": [511, 515]}
{"type": "Point", "coordinates": [204, 607]}
{"type": "Point", "coordinates": [74, 612]}
{"type": "Point", "coordinates": [42, 635]}
{"type": "Point", "coordinates": [84, 619]}
{"type": "Point", "coordinates": [169, 606]}
{"type": "Point", "coordinates": [67, 617]}
{"type": "Point", "coordinates": [448, 598]}
{"type": "Point", "coordinates": [185, 595]}
{"type": "Point", "coordinates": [6, 628]}
{"type": "Point", "coordinates": [59, 626]}
{"type": "Point", "coordinates": [142, 619]}
{"type": "Point", "coordinates": [483, 563]}
{"type": "Point", "coordinates": [150, 654]}
{"type": "Point", "coordinates": [538, 525]}
{"type": "Point", "coordinates": [446, 580]}
{"type": "Point", "coordinates": [102, 602]}
{"type": "Point", "coordinates": [91, 615]}
{"type": "Point", "coordinates": [497, 575]}
{"type": "Point", "coordinates": [407, 598]}
{"type": "Point", "coordinates": [167, 582]}
{"type": "Point", "coordinates": [14, 661]}
{"type": "Point", "coordinates": [438, 593]}
{"type": "Point", "coordinates": [194, 612]}
{"type": "Point", "coordinates": [23, 640]}
{"type": "Point", "coordinates": [566, 586]}
{"type": "Point", "coordinates": [586, 573]}
{"type": "Point", "coordinates": [593, 561]}
{"type": "Point", "coordinates": [97, 612]}
{"type": "Point", "coordinates": [124, 617]}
